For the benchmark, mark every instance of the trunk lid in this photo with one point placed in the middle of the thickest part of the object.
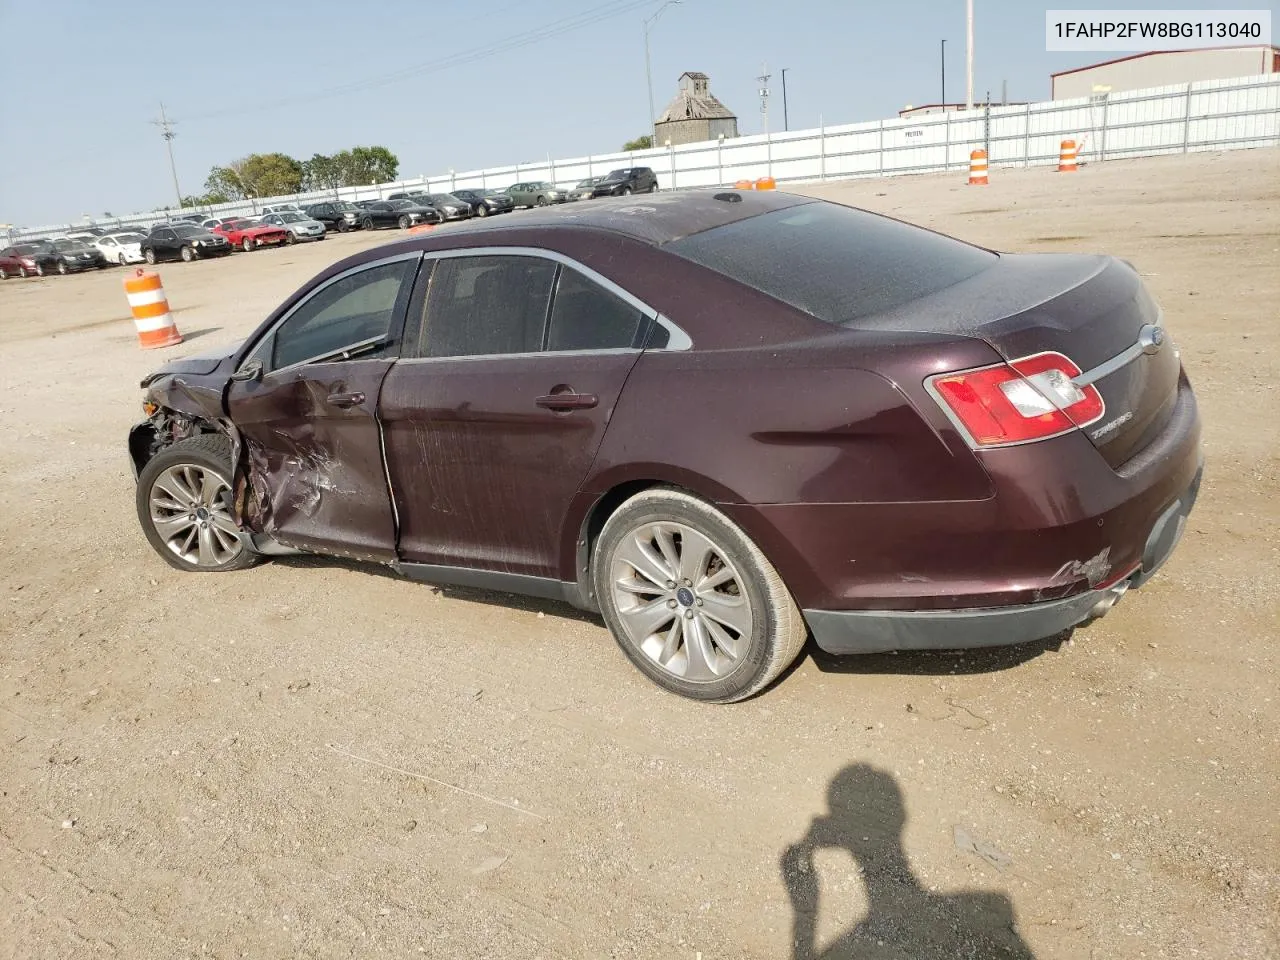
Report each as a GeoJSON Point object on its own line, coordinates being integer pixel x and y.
{"type": "Point", "coordinates": [1090, 309]}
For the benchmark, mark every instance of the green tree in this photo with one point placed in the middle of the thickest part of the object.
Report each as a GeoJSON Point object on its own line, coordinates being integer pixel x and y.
{"type": "Point", "coordinates": [360, 166]}
{"type": "Point", "coordinates": [321, 173]}
{"type": "Point", "coordinates": [257, 175]}
{"type": "Point", "coordinates": [639, 143]}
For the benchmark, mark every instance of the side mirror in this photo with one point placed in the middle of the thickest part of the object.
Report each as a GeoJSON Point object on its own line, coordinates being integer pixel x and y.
{"type": "Point", "coordinates": [249, 373]}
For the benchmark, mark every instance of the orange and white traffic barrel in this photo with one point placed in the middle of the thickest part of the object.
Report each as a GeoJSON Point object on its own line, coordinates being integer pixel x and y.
{"type": "Point", "coordinates": [743, 185]}
{"type": "Point", "coordinates": [978, 168]}
{"type": "Point", "coordinates": [150, 311]}
{"type": "Point", "coordinates": [766, 183]}
{"type": "Point", "coordinates": [1067, 157]}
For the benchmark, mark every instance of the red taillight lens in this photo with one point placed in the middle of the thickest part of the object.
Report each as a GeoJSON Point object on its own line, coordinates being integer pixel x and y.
{"type": "Point", "coordinates": [1029, 399]}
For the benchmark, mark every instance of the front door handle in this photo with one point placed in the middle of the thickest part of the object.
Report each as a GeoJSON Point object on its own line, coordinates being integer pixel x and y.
{"type": "Point", "coordinates": [568, 401]}
{"type": "Point", "coordinates": [346, 399]}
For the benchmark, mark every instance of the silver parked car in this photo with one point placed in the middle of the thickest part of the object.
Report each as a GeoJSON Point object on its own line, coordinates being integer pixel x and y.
{"type": "Point", "coordinates": [536, 193]}
{"type": "Point", "coordinates": [299, 225]}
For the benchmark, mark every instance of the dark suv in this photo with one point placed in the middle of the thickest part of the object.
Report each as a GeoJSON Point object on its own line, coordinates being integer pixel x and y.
{"type": "Point", "coordinates": [628, 180]}
{"type": "Point", "coordinates": [337, 215]}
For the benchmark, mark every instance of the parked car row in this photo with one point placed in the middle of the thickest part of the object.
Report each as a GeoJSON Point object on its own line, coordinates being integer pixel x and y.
{"type": "Point", "coordinates": [194, 236]}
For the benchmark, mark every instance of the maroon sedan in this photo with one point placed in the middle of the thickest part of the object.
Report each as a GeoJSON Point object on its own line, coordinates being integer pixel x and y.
{"type": "Point", "coordinates": [723, 420]}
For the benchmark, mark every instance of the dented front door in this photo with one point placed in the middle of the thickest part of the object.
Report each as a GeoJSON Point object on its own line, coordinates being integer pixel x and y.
{"type": "Point", "coordinates": [314, 458]}
{"type": "Point", "coordinates": [305, 401]}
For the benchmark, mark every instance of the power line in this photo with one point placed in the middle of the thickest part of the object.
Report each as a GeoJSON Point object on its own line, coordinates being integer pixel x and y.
{"type": "Point", "coordinates": [166, 131]}
{"type": "Point", "coordinates": [555, 28]}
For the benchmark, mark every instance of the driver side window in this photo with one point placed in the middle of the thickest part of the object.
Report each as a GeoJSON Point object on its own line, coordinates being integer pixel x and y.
{"type": "Point", "coordinates": [354, 309]}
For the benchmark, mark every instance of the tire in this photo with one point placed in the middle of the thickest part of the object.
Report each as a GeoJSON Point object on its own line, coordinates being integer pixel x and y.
{"type": "Point", "coordinates": [366, 224]}
{"type": "Point", "coordinates": [150, 256]}
{"type": "Point", "coordinates": [626, 191]}
{"type": "Point", "coordinates": [39, 269]}
{"type": "Point", "coordinates": [62, 268]}
{"type": "Point", "coordinates": [733, 664]}
{"type": "Point", "coordinates": [404, 223]}
{"type": "Point", "coordinates": [121, 260]}
{"type": "Point", "coordinates": [542, 201]}
{"type": "Point", "coordinates": [22, 272]}
{"type": "Point", "coordinates": [247, 244]}
{"type": "Point", "coordinates": [4, 274]}
{"type": "Point", "coordinates": [482, 210]}
{"type": "Point", "coordinates": [291, 239]}
{"type": "Point", "coordinates": [343, 226]}
{"type": "Point", "coordinates": [187, 254]}
{"type": "Point", "coordinates": [161, 498]}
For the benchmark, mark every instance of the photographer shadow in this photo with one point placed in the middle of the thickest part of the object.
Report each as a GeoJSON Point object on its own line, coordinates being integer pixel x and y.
{"type": "Point", "coordinates": [904, 921]}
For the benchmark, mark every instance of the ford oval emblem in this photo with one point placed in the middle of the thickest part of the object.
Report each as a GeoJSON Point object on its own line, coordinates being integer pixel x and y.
{"type": "Point", "coordinates": [1151, 338]}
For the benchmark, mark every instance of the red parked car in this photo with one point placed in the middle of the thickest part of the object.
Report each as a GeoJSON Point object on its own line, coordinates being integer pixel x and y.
{"type": "Point", "coordinates": [249, 234]}
{"type": "Point", "coordinates": [725, 420]}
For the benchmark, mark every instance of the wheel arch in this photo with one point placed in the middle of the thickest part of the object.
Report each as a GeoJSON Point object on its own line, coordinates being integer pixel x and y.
{"type": "Point", "coordinates": [591, 509]}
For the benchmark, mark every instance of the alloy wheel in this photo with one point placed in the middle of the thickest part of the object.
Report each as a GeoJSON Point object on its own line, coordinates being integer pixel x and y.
{"type": "Point", "coordinates": [681, 601]}
{"type": "Point", "coordinates": [62, 268]}
{"type": "Point", "coordinates": [247, 244]}
{"type": "Point", "coordinates": [190, 514]}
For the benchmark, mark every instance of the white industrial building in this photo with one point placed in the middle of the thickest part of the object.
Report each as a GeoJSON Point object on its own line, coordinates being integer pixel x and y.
{"type": "Point", "coordinates": [1165, 68]}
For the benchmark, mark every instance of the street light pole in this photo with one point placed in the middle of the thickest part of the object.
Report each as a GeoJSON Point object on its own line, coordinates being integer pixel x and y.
{"type": "Point", "coordinates": [944, 72]}
{"type": "Point", "coordinates": [648, 71]}
{"type": "Point", "coordinates": [968, 55]}
{"type": "Point", "coordinates": [785, 125]}
{"type": "Point", "coordinates": [166, 131]}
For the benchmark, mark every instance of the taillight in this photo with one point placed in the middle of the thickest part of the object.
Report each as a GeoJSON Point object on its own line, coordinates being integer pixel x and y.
{"type": "Point", "coordinates": [1029, 399]}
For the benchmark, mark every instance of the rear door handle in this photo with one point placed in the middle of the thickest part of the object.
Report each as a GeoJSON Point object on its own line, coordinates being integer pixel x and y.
{"type": "Point", "coordinates": [568, 401]}
{"type": "Point", "coordinates": [346, 399]}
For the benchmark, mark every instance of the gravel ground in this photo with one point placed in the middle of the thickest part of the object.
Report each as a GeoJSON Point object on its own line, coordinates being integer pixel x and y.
{"type": "Point", "coordinates": [317, 759]}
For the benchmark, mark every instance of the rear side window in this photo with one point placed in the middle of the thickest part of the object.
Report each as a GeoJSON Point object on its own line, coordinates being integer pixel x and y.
{"type": "Point", "coordinates": [585, 316]}
{"type": "Point", "coordinates": [834, 262]}
{"type": "Point", "coordinates": [485, 306]}
{"type": "Point", "coordinates": [352, 310]}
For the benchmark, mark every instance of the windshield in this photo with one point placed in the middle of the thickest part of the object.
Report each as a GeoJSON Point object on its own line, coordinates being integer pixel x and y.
{"type": "Point", "coordinates": [69, 246]}
{"type": "Point", "coordinates": [444, 198]}
{"type": "Point", "coordinates": [27, 249]}
{"type": "Point", "coordinates": [619, 174]}
{"type": "Point", "coordinates": [188, 231]}
{"type": "Point", "coordinates": [834, 262]}
{"type": "Point", "coordinates": [128, 237]}
{"type": "Point", "coordinates": [401, 204]}
{"type": "Point", "coordinates": [346, 206]}
{"type": "Point", "coordinates": [291, 217]}
{"type": "Point", "coordinates": [590, 181]}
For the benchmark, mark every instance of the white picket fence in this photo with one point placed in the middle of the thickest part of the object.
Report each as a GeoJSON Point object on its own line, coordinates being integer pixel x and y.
{"type": "Point", "coordinates": [1210, 115]}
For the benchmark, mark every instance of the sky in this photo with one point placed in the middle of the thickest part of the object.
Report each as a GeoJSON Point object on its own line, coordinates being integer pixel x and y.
{"type": "Point", "coordinates": [559, 78]}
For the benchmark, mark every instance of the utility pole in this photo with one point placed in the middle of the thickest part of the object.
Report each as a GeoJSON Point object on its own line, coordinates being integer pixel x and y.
{"type": "Point", "coordinates": [764, 97]}
{"type": "Point", "coordinates": [944, 72]}
{"type": "Point", "coordinates": [648, 71]}
{"type": "Point", "coordinates": [968, 55]}
{"type": "Point", "coordinates": [166, 131]}
{"type": "Point", "coordinates": [786, 125]}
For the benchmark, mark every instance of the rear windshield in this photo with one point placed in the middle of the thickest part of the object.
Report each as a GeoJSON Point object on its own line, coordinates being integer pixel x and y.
{"type": "Point", "coordinates": [834, 262]}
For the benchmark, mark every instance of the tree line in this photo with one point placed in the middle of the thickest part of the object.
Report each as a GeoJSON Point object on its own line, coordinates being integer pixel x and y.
{"type": "Point", "coordinates": [278, 174]}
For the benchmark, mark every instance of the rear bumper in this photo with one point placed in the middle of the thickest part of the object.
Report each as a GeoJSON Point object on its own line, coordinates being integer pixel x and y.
{"type": "Point", "coordinates": [878, 631]}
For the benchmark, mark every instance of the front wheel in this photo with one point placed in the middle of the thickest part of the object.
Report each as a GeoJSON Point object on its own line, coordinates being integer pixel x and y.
{"type": "Point", "coordinates": [343, 226]}
{"type": "Point", "coordinates": [247, 244]}
{"type": "Point", "coordinates": [184, 505]}
{"type": "Point", "coordinates": [39, 269]}
{"type": "Point", "coordinates": [187, 254]}
{"type": "Point", "coordinates": [691, 600]}
{"type": "Point", "coordinates": [542, 201]}
{"type": "Point", "coordinates": [151, 257]}
{"type": "Point", "coordinates": [4, 274]}
{"type": "Point", "coordinates": [366, 223]}
{"type": "Point", "coordinates": [404, 222]}
{"type": "Point", "coordinates": [626, 191]}
{"type": "Point", "coordinates": [482, 210]}
{"type": "Point", "coordinates": [62, 268]}
{"type": "Point", "coordinates": [121, 260]}
{"type": "Point", "coordinates": [290, 238]}
{"type": "Point", "coordinates": [22, 272]}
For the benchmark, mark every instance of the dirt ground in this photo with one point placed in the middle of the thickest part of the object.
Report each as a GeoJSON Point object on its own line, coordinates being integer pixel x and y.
{"type": "Point", "coordinates": [316, 759]}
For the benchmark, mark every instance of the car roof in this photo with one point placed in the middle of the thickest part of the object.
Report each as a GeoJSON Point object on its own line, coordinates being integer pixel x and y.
{"type": "Point", "coordinates": [654, 218]}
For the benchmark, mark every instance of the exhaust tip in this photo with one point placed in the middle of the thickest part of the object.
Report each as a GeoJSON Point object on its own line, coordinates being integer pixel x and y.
{"type": "Point", "coordinates": [1108, 600]}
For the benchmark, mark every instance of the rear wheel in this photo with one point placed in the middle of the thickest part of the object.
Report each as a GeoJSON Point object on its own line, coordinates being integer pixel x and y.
{"type": "Point", "coordinates": [693, 603]}
{"type": "Point", "coordinates": [184, 505]}
{"type": "Point", "coordinates": [187, 254]}
{"type": "Point", "coordinates": [4, 274]}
